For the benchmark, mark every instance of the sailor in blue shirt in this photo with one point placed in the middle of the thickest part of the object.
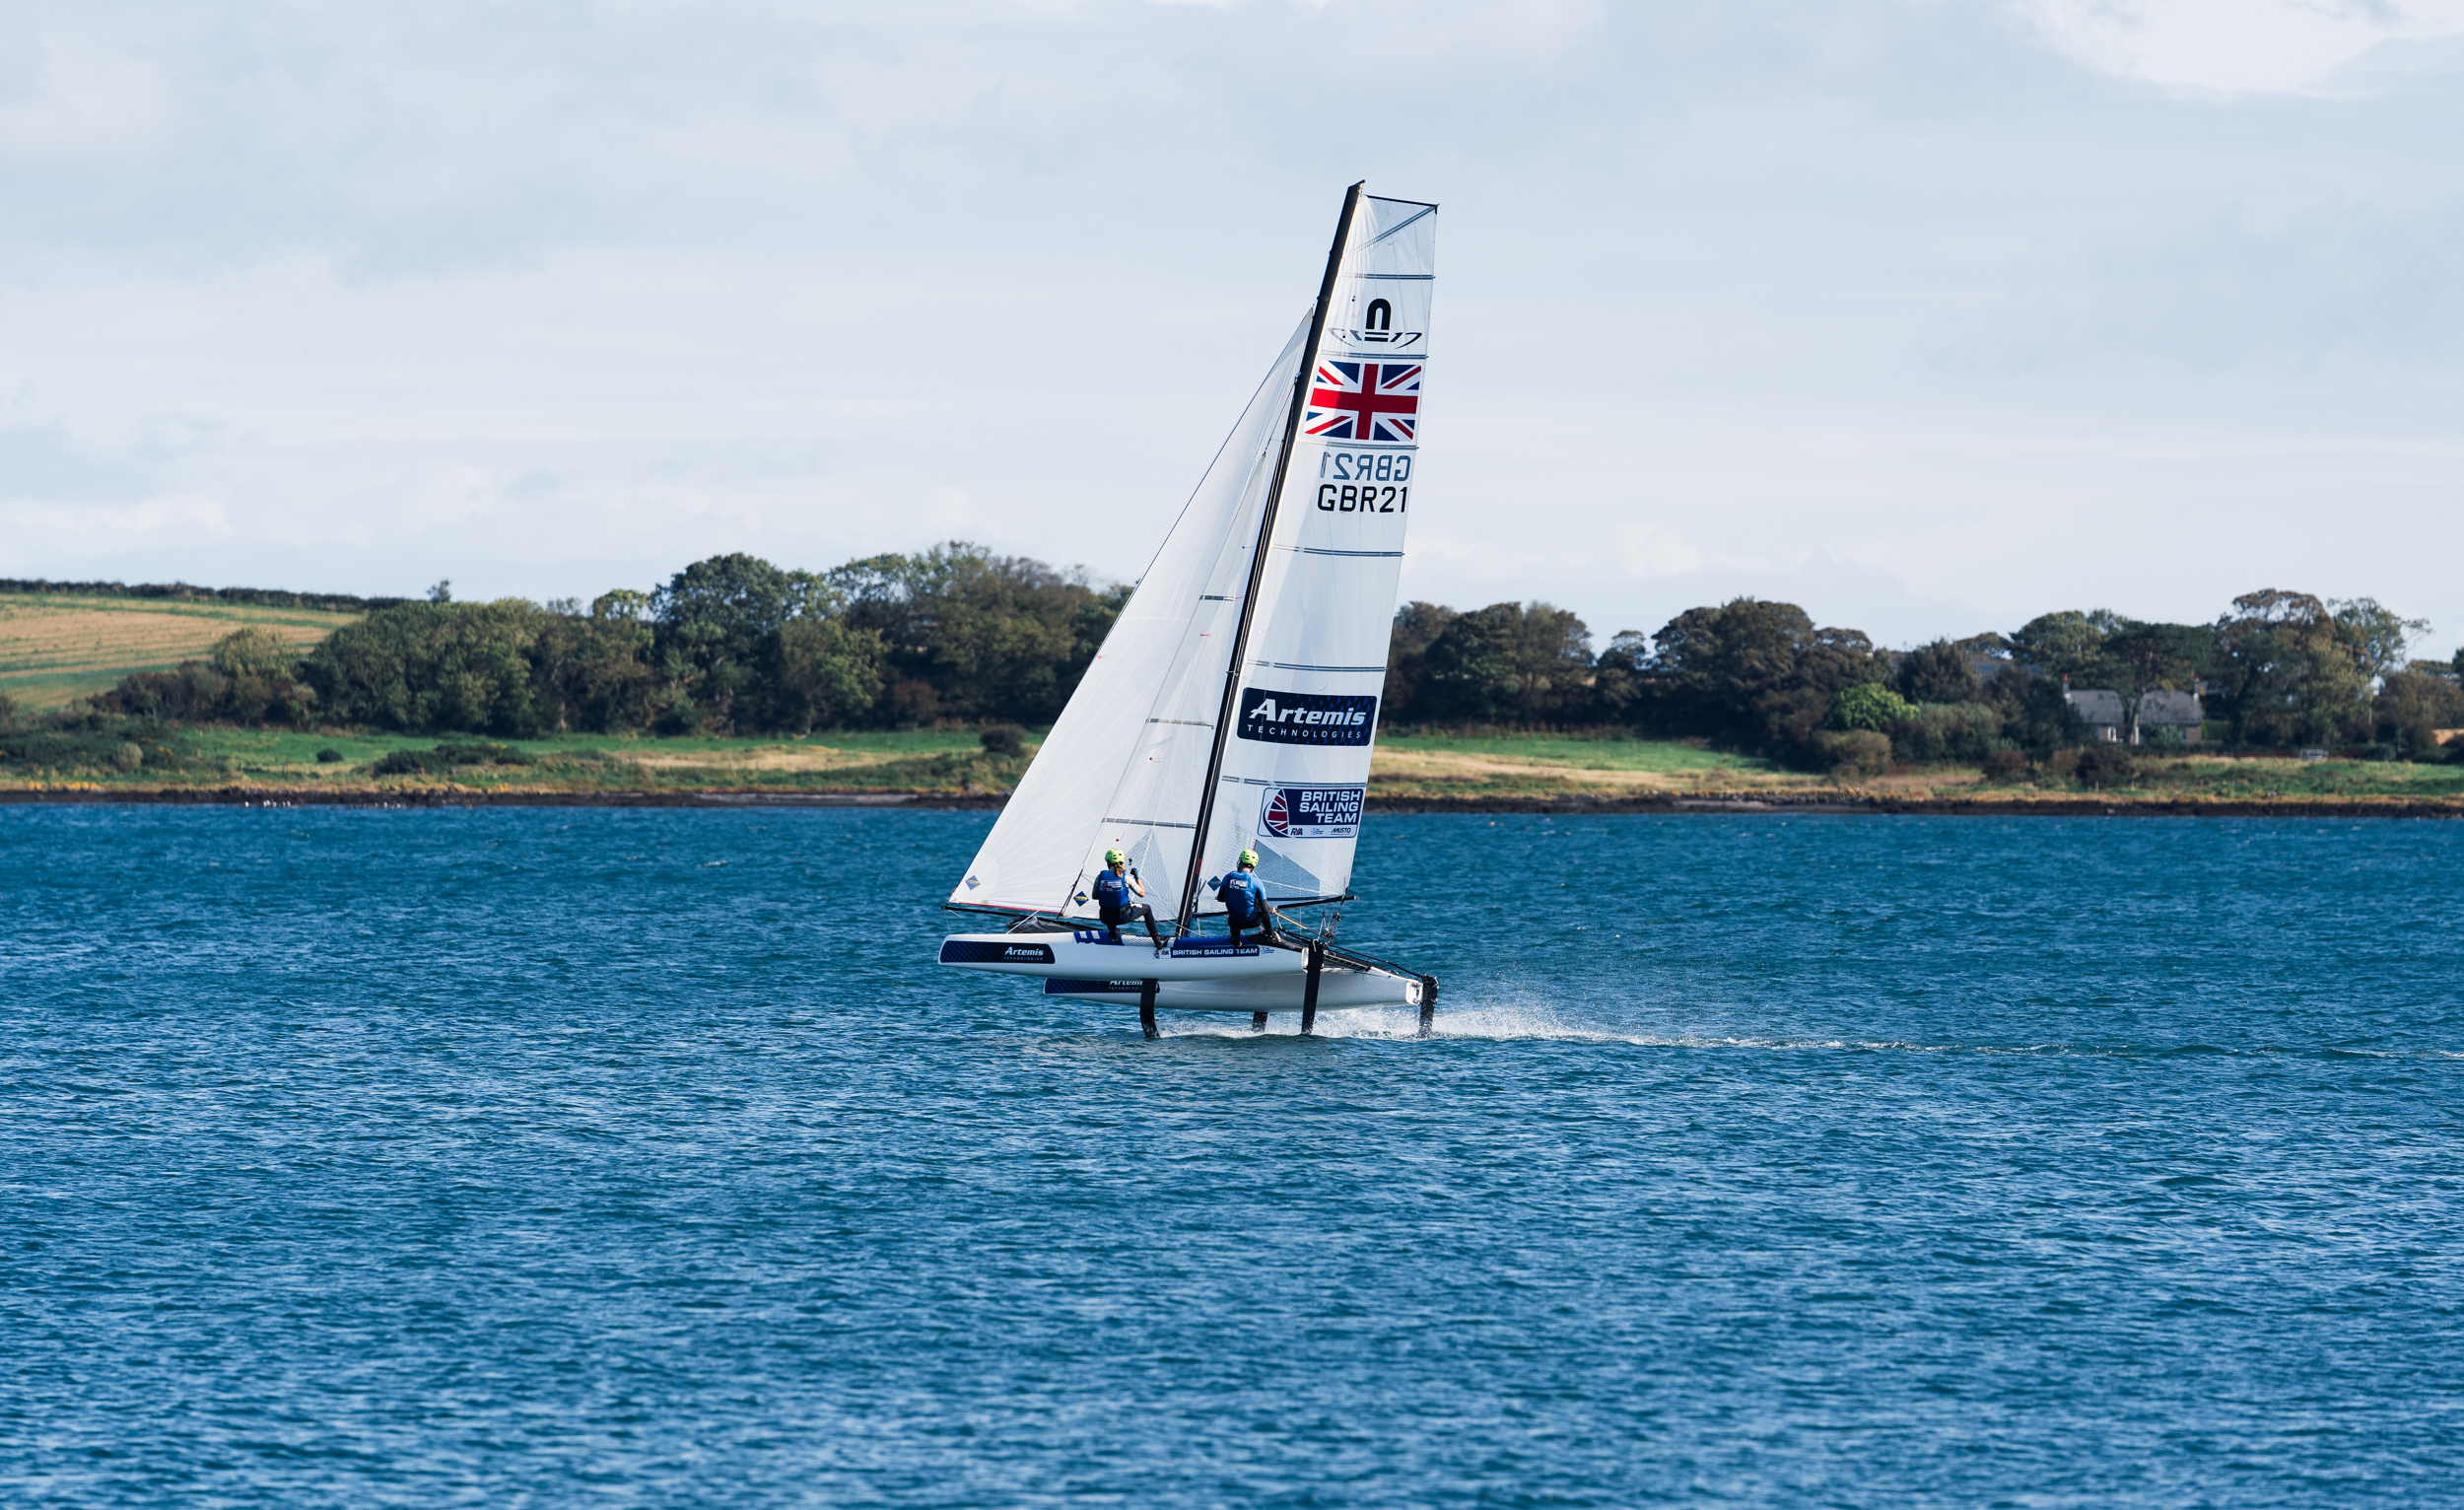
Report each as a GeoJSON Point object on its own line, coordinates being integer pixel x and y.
{"type": "Point", "coordinates": [1244, 899]}
{"type": "Point", "coordinates": [1112, 897]}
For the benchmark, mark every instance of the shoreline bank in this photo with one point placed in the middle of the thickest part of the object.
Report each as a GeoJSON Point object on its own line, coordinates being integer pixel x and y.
{"type": "Point", "coordinates": [1832, 802]}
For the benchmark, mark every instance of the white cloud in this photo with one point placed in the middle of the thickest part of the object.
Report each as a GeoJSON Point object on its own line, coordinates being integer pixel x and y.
{"type": "Point", "coordinates": [69, 92]}
{"type": "Point", "coordinates": [46, 462]}
{"type": "Point", "coordinates": [1872, 302]}
{"type": "Point", "coordinates": [2334, 286]}
{"type": "Point", "coordinates": [1653, 550]}
{"type": "Point", "coordinates": [2236, 46]}
{"type": "Point", "coordinates": [69, 534]}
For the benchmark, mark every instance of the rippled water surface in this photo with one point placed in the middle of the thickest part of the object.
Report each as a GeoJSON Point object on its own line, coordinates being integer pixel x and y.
{"type": "Point", "coordinates": [642, 1157]}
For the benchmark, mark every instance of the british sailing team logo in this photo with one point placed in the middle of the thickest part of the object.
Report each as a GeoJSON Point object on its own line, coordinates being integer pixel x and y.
{"type": "Point", "coordinates": [1364, 402]}
{"type": "Point", "coordinates": [1311, 812]}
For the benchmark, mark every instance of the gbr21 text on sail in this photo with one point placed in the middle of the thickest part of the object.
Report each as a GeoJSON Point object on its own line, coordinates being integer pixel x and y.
{"type": "Point", "coordinates": [1364, 481]}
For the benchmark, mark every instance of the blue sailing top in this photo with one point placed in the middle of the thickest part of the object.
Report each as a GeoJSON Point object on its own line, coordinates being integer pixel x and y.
{"type": "Point", "coordinates": [1244, 900]}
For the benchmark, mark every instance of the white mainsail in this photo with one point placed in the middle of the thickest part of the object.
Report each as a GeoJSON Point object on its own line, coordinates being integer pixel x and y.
{"type": "Point", "coordinates": [1296, 768]}
{"type": "Point", "coordinates": [1128, 764]}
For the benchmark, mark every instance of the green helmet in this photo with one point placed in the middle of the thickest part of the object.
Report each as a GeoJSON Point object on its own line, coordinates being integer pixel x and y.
{"type": "Point", "coordinates": [1115, 857]}
{"type": "Point", "coordinates": [1248, 857]}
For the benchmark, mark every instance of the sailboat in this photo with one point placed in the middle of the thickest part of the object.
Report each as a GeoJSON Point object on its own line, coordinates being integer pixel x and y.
{"type": "Point", "coordinates": [1234, 704]}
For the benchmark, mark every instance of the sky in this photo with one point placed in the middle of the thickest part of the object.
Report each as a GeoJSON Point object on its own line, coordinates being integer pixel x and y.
{"type": "Point", "coordinates": [1929, 317]}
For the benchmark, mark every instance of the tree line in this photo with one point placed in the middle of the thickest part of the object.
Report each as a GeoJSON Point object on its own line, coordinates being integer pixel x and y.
{"type": "Point", "coordinates": [184, 592]}
{"type": "Point", "coordinates": [736, 646]}
{"type": "Point", "coordinates": [2279, 669]}
{"type": "Point", "coordinates": [732, 645]}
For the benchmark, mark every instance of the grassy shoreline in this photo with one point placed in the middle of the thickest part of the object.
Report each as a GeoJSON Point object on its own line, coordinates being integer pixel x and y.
{"type": "Point", "coordinates": [1845, 803]}
{"type": "Point", "coordinates": [1415, 772]}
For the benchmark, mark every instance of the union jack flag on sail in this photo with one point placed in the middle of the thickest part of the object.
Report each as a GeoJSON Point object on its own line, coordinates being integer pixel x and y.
{"type": "Point", "coordinates": [1364, 402]}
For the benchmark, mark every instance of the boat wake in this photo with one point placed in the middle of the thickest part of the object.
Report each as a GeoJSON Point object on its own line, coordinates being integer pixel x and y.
{"type": "Point", "coordinates": [1539, 1021]}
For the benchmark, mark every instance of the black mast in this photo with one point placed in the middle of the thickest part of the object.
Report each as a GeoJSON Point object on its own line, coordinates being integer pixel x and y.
{"type": "Point", "coordinates": [1257, 566]}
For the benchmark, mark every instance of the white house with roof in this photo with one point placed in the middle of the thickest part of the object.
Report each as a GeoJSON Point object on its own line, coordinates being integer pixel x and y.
{"type": "Point", "coordinates": [2100, 711]}
{"type": "Point", "coordinates": [2177, 710]}
{"type": "Point", "coordinates": [2104, 714]}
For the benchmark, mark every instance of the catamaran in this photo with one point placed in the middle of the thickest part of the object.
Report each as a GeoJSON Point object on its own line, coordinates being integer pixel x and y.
{"type": "Point", "coordinates": [1234, 704]}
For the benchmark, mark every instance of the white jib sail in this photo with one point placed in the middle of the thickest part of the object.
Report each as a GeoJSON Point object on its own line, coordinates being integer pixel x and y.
{"type": "Point", "coordinates": [1126, 766]}
{"type": "Point", "coordinates": [1297, 767]}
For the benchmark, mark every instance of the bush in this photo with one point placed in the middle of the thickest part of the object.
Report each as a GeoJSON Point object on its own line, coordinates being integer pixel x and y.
{"type": "Point", "coordinates": [2004, 765]}
{"type": "Point", "coordinates": [251, 677]}
{"type": "Point", "coordinates": [1857, 752]}
{"type": "Point", "coordinates": [1007, 741]}
{"type": "Point", "coordinates": [1937, 673]}
{"type": "Point", "coordinates": [1869, 706]}
{"type": "Point", "coordinates": [994, 637]}
{"type": "Point", "coordinates": [88, 740]}
{"type": "Point", "coordinates": [1939, 732]}
{"type": "Point", "coordinates": [2061, 765]}
{"type": "Point", "coordinates": [1756, 673]}
{"type": "Point", "coordinates": [821, 674]}
{"type": "Point", "coordinates": [327, 756]}
{"type": "Point", "coordinates": [434, 669]}
{"type": "Point", "coordinates": [443, 760]}
{"type": "Point", "coordinates": [2106, 764]}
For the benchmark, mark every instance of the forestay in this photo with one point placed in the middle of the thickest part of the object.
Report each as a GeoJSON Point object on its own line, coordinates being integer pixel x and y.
{"type": "Point", "coordinates": [1127, 764]}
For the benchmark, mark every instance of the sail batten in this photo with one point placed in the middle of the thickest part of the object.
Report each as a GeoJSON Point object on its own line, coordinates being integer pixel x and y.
{"type": "Point", "coordinates": [1251, 658]}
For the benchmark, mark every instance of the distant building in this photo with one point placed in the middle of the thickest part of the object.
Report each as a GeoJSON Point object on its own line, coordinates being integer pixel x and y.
{"type": "Point", "coordinates": [2170, 710]}
{"type": "Point", "coordinates": [2100, 711]}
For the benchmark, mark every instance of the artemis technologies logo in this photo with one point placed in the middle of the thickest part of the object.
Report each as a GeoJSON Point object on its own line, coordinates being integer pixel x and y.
{"type": "Point", "coordinates": [1306, 717]}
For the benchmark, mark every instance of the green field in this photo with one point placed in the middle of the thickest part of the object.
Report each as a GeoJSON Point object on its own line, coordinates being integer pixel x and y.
{"type": "Point", "coordinates": [280, 747]}
{"type": "Point", "coordinates": [1541, 765]}
{"type": "Point", "coordinates": [922, 760]}
{"type": "Point", "coordinates": [1663, 757]}
{"type": "Point", "coordinates": [56, 648]}
{"type": "Point", "coordinates": [2229, 779]}
{"type": "Point", "coordinates": [953, 761]}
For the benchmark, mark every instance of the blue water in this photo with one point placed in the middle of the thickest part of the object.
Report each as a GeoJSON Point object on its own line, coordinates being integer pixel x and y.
{"type": "Point", "coordinates": [641, 1158]}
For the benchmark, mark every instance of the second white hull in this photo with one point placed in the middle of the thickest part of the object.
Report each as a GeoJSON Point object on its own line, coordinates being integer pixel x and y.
{"type": "Point", "coordinates": [1089, 955]}
{"type": "Point", "coordinates": [1337, 991]}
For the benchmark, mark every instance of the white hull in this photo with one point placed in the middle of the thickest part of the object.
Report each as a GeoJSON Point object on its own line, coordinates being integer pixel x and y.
{"type": "Point", "coordinates": [1196, 975]}
{"type": "Point", "coordinates": [1089, 955]}
{"type": "Point", "coordinates": [1337, 991]}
